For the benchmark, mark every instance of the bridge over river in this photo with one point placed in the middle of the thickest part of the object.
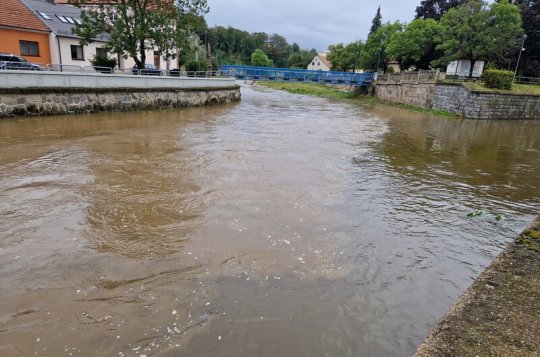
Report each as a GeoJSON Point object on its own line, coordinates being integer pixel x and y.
{"type": "Point", "coordinates": [298, 75]}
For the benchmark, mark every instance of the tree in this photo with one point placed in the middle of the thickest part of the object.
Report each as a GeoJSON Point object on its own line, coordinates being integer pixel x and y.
{"type": "Point", "coordinates": [504, 27]}
{"type": "Point", "coordinates": [345, 57]}
{"type": "Point", "coordinates": [415, 46]}
{"type": "Point", "coordinates": [376, 22]}
{"type": "Point", "coordinates": [135, 26]}
{"type": "Point", "coordinates": [301, 58]}
{"type": "Point", "coordinates": [374, 54]}
{"type": "Point", "coordinates": [259, 59]}
{"type": "Point", "coordinates": [473, 32]}
{"type": "Point", "coordinates": [435, 9]}
{"type": "Point", "coordinates": [530, 15]}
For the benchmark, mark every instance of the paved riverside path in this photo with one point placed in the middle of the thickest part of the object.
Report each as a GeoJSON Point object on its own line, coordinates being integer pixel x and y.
{"type": "Point", "coordinates": [499, 315]}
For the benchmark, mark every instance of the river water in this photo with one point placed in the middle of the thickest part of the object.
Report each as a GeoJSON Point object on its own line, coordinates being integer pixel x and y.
{"type": "Point", "coordinates": [284, 225]}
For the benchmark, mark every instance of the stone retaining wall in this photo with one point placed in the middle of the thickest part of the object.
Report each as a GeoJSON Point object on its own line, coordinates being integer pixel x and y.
{"type": "Point", "coordinates": [458, 99]}
{"type": "Point", "coordinates": [484, 105]}
{"type": "Point", "coordinates": [51, 101]}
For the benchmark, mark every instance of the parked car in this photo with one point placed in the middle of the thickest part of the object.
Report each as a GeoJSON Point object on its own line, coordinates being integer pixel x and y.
{"type": "Point", "coordinates": [10, 61]}
{"type": "Point", "coordinates": [149, 70]}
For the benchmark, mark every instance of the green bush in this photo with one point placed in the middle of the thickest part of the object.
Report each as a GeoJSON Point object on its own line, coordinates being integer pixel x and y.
{"type": "Point", "coordinates": [498, 79]}
{"type": "Point", "coordinates": [105, 62]}
{"type": "Point", "coordinates": [196, 66]}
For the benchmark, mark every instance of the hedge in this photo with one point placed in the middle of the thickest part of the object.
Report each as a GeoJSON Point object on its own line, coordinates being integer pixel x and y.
{"type": "Point", "coordinates": [498, 79]}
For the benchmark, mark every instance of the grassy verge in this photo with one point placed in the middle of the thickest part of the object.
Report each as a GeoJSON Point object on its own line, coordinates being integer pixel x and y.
{"type": "Point", "coordinates": [324, 91]}
{"type": "Point", "coordinates": [313, 89]}
{"type": "Point", "coordinates": [516, 88]}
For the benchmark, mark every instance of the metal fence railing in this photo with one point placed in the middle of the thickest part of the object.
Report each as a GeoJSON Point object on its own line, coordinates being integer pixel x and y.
{"type": "Point", "coordinates": [111, 71]}
{"type": "Point", "coordinates": [527, 80]}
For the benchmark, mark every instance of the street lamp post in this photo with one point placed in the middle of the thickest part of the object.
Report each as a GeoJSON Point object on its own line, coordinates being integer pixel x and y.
{"type": "Point", "coordinates": [521, 49]}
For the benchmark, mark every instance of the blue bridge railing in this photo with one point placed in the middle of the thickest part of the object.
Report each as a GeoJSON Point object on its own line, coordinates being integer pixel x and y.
{"type": "Point", "coordinates": [299, 75]}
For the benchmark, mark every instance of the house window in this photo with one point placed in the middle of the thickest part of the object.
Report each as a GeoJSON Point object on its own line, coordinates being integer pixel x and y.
{"type": "Point", "coordinates": [313, 63]}
{"type": "Point", "coordinates": [62, 18]}
{"type": "Point", "coordinates": [45, 16]}
{"type": "Point", "coordinates": [77, 53]}
{"type": "Point", "coordinates": [70, 20]}
{"type": "Point", "coordinates": [29, 48]}
{"type": "Point", "coordinates": [102, 52]}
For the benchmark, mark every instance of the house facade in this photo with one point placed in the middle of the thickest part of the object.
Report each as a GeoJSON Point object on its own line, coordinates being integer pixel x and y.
{"type": "Point", "coordinates": [22, 33]}
{"type": "Point", "coordinates": [64, 43]}
{"type": "Point", "coordinates": [320, 63]}
{"type": "Point", "coordinates": [152, 56]}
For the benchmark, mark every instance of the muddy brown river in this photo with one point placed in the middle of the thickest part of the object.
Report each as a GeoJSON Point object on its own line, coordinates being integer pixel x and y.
{"type": "Point", "coordinates": [284, 225]}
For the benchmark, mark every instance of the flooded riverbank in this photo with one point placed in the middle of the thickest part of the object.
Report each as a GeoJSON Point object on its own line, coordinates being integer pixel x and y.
{"type": "Point", "coordinates": [282, 225]}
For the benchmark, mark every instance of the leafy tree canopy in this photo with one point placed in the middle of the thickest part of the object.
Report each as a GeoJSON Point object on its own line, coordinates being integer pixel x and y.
{"type": "Point", "coordinates": [435, 9]}
{"type": "Point", "coordinates": [259, 59]}
{"type": "Point", "coordinates": [415, 46]}
{"type": "Point", "coordinates": [476, 31]}
{"type": "Point", "coordinates": [345, 57]}
{"type": "Point", "coordinates": [374, 52]}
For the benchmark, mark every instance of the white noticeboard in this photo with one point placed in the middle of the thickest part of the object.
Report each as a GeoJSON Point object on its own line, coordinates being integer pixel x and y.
{"type": "Point", "coordinates": [460, 68]}
{"type": "Point", "coordinates": [451, 69]}
{"type": "Point", "coordinates": [478, 69]}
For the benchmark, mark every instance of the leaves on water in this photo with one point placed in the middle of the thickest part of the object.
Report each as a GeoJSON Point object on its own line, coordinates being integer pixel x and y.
{"type": "Point", "coordinates": [475, 213]}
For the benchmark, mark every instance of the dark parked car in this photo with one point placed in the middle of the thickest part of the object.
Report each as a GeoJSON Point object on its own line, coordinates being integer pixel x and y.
{"type": "Point", "coordinates": [9, 61]}
{"type": "Point", "coordinates": [149, 70]}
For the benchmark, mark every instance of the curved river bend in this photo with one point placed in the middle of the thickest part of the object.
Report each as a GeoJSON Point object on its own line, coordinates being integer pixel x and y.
{"type": "Point", "coordinates": [280, 226]}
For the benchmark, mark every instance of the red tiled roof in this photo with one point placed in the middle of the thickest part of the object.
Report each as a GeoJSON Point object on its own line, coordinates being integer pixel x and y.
{"type": "Point", "coordinates": [324, 60]}
{"type": "Point", "coordinates": [14, 13]}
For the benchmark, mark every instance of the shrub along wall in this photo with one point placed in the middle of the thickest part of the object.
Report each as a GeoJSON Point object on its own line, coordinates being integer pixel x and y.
{"type": "Point", "coordinates": [498, 79]}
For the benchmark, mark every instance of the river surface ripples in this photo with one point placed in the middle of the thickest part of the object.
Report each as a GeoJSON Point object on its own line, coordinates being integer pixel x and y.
{"type": "Point", "coordinates": [284, 225]}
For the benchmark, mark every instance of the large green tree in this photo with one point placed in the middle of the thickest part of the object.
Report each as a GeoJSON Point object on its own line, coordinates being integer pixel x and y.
{"type": "Point", "coordinates": [345, 57]}
{"type": "Point", "coordinates": [476, 31]}
{"type": "Point", "coordinates": [135, 26]}
{"type": "Point", "coordinates": [415, 46]}
{"type": "Point", "coordinates": [374, 54]}
{"type": "Point", "coordinates": [435, 9]}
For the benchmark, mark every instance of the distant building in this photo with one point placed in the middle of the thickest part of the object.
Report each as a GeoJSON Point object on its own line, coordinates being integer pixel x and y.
{"type": "Point", "coordinates": [393, 67]}
{"type": "Point", "coordinates": [22, 33]}
{"type": "Point", "coordinates": [320, 63]}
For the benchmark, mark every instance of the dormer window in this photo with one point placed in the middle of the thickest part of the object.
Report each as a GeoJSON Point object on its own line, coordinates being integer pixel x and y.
{"type": "Point", "coordinates": [45, 16]}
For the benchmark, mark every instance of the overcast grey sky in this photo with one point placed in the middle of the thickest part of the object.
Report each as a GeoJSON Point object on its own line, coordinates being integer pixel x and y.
{"type": "Point", "coordinates": [310, 23]}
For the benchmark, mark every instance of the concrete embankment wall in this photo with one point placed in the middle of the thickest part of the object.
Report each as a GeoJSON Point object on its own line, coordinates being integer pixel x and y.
{"type": "Point", "coordinates": [48, 93]}
{"type": "Point", "coordinates": [458, 99]}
